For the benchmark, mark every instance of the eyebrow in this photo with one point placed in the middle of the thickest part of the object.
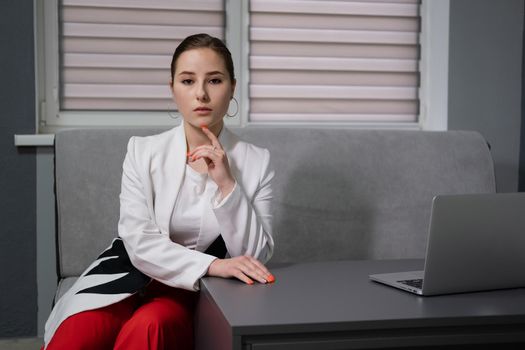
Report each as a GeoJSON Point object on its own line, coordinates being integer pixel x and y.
{"type": "Point", "coordinates": [209, 73]}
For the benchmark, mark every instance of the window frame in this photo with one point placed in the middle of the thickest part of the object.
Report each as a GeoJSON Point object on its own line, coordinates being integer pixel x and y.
{"type": "Point", "coordinates": [433, 91]}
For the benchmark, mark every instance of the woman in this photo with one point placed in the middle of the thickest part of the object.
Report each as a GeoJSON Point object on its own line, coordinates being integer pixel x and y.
{"type": "Point", "coordinates": [186, 193]}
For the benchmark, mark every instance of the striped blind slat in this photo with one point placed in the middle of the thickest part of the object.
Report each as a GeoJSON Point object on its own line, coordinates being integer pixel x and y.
{"type": "Point", "coordinates": [116, 54]}
{"type": "Point", "coordinates": [359, 8]}
{"type": "Point", "coordinates": [197, 5]}
{"type": "Point", "coordinates": [334, 63]}
{"type": "Point", "coordinates": [115, 61]}
{"type": "Point", "coordinates": [314, 60]}
{"type": "Point", "coordinates": [90, 30]}
{"type": "Point", "coordinates": [335, 92]}
{"type": "Point", "coordinates": [333, 36]}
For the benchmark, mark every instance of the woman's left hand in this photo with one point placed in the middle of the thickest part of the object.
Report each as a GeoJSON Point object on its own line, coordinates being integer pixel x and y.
{"type": "Point", "coordinates": [217, 161]}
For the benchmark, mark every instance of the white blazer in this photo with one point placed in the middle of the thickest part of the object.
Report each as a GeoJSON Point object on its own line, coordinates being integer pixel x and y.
{"type": "Point", "coordinates": [152, 174]}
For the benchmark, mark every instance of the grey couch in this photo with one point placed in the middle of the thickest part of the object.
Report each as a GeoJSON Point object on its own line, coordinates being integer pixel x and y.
{"type": "Point", "coordinates": [339, 193]}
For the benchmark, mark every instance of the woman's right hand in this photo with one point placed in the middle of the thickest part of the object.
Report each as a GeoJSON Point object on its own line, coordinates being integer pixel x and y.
{"type": "Point", "coordinates": [244, 268]}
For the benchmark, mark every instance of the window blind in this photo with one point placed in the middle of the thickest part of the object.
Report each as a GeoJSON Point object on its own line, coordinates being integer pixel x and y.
{"type": "Point", "coordinates": [116, 54]}
{"type": "Point", "coordinates": [325, 61]}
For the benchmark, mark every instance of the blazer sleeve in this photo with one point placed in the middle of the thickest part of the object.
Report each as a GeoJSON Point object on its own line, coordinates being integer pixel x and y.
{"type": "Point", "coordinates": [246, 222]}
{"type": "Point", "coordinates": [149, 248]}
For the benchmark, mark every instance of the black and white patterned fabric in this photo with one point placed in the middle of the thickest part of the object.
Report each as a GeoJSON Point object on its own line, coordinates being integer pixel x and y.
{"type": "Point", "coordinates": [109, 279]}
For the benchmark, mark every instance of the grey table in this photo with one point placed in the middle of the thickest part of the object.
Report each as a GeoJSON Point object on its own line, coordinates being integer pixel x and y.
{"type": "Point", "coordinates": [333, 305]}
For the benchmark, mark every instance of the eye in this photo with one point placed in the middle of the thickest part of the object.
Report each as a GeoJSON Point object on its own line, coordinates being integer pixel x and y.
{"type": "Point", "coordinates": [215, 81]}
{"type": "Point", "coordinates": [187, 81]}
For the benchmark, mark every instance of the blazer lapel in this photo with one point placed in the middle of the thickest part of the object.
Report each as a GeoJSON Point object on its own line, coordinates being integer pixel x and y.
{"type": "Point", "coordinates": [170, 175]}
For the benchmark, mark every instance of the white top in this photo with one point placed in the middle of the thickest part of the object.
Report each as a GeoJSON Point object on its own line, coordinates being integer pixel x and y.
{"type": "Point", "coordinates": [185, 221]}
{"type": "Point", "coordinates": [195, 194]}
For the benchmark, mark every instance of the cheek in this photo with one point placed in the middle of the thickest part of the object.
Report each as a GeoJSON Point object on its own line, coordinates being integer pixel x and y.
{"type": "Point", "coordinates": [224, 96]}
{"type": "Point", "coordinates": [225, 102]}
{"type": "Point", "coordinates": [180, 97]}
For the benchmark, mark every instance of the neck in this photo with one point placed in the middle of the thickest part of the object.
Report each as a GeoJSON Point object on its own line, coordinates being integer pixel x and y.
{"type": "Point", "coordinates": [195, 137]}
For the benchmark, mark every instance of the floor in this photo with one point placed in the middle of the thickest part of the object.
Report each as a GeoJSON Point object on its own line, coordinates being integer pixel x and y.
{"type": "Point", "coordinates": [21, 344]}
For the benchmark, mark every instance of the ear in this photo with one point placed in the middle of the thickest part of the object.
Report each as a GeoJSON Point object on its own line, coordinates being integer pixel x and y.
{"type": "Point", "coordinates": [171, 85]}
{"type": "Point", "coordinates": [234, 83]}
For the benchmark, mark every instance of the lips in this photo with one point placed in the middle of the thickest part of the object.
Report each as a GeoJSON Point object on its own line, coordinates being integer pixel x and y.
{"type": "Point", "coordinates": [202, 109]}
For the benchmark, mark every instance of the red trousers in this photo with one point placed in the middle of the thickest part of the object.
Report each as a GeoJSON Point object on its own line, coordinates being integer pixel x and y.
{"type": "Point", "coordinates": [159, 318]}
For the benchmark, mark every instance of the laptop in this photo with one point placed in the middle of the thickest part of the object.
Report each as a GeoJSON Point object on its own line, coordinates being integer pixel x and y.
{"type": "Point", "coordinates": [476, 242]}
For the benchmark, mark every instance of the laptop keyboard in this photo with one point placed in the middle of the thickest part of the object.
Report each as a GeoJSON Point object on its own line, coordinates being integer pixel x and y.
{"type": "Point", "coordinates": [416, 283]}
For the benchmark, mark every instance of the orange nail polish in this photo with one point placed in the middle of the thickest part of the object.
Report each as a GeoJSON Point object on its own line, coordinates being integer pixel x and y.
{"type": "Point", "coordinates": [204, 126]}
{"type": "Point", "coordinates": [270, 279]}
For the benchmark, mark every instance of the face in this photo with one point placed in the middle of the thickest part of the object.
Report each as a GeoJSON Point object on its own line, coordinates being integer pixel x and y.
{"type": "Point", "coordinates": [202, 88]}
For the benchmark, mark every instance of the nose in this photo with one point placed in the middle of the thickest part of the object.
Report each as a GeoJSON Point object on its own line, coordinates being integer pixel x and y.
{"type": "Point", "coordinates": [201, 93]}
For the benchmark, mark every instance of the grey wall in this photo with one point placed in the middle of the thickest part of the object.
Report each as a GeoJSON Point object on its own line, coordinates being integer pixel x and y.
{"type": "Point", "coordinates": [17, 171]}
{"type": "Point", "coordinates": [522, 139]}
{"type": "Point", "coordinates": [486, 38]}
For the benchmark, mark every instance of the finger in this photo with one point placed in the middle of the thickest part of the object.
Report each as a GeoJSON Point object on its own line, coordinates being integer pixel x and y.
{"type": "Point", "coordinates": [214, 141]}
{"type": "Point", "coordinates": [217, 157]}
{"type": "Point", "coordinates": [198, 148]}
{"type": "Point", "coordinates": [260, 265]}
{"type": "Point", "coordinates": [253, 271]}
{"type": "Point", "coordinates": [241, 276]}
{"type": "Point", "coordinates": [254, 274]}
{"type": "Point", "coordinates": [205, 146]}
{"type": "Point", "coordinates": [210, 148]}
{"type": "Point", "coordinates": [190, 157]}
{"type": "Point", "coordinates": [264, 272]}
{"type": "Point", "coordinates": [207, 153]}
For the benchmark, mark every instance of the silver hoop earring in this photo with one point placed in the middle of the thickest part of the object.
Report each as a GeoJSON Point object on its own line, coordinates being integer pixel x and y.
{"type": "Point", "coordinates": [236, 109]}
{"type": "Point", "coordinates": [171, 114]}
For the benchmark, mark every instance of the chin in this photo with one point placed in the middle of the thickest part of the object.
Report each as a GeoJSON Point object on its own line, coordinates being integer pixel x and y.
{"type": "Point", "coordinates": [208, 122]}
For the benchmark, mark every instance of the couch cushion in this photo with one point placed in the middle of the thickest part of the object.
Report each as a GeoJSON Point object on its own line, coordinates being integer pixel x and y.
{"type": "Point", "coordinates": [365, 194]}
{"type": "Point", "coordinates": [339, 193]}
{"type": "Point", "coordinates": [63, 286]}
{"type": "Point", "coordinates": [88, 170]}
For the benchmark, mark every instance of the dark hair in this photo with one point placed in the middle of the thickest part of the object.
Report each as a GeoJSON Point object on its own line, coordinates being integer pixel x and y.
{"type": "Point", "coordinates": [199, 41]}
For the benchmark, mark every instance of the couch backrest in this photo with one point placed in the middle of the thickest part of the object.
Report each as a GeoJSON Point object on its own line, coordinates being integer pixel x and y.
{"type": "Point", "coordinates": [338, 193]}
